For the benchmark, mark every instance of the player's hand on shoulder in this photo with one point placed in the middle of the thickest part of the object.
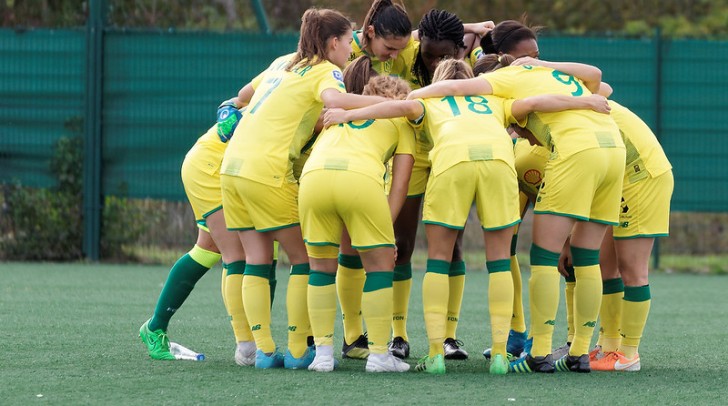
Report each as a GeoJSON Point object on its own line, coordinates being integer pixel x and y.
{"type": "Point", "coordinates": [599, 103]}
{"type": "Point", "coordinates": [527, 60]}
{"type": "Point", "coordinates": [334, 116]}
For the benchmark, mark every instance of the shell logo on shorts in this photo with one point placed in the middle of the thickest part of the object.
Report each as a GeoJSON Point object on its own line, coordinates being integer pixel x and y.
{"type": "Point", "coordinates": [533, 177]}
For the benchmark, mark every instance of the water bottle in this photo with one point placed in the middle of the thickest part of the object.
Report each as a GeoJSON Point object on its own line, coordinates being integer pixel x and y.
{"type": "Point", "coordinates": [181, 352]}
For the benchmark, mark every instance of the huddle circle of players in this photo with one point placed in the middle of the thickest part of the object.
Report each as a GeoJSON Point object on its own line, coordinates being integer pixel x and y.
{"type": "Point", "coordinates": [333, 152]}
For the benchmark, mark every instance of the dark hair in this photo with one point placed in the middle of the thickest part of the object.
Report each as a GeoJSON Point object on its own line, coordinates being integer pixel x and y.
{"type": "Point", "coordinates": [358, 73]}
{"type": "Point", "coordinates": [506, 35]}
{"type": "Point", "coordinates": [388, 19]}
{"type": "Point", "coordinates": [437, 25]}
{"type": "Point", "coordinates": [317, 27]}
{"type": "Point", "coordinates": [490, 62]}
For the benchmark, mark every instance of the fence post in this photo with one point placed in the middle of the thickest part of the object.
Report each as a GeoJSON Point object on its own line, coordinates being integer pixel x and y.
{"type": "Point", "coordinates": [92, 140]}
{"type": "Point", "coordinates": [261, 16]}
{"type": "Point", "coordinates": [658, 121]}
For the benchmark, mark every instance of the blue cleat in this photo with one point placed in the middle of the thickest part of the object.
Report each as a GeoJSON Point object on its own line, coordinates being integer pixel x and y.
{"type": "Point", "coordinates": [516, 345]}
{"type": "Point", "coordinates": [264, 361]}
{"type": "Point", "coordinates": [290, 362]}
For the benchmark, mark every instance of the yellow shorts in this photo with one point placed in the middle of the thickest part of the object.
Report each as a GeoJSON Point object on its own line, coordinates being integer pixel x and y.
{"type": "Point", "coordinates": [645, 209]}
{"type": "Point", "coordinates": [420, 174]}
{"type": "Point", "coordinates": [586, 186]}
{"type": "Point", "coordinates": [251, 205]}
{"type": "Point", "coordinates": [201, 180]}
{"type": "Point", "coordinates": [328, 203]}
{"type": "Point", "coordinates": [530, 163]}
{"type": "Point", "coordinates": [493, 186]}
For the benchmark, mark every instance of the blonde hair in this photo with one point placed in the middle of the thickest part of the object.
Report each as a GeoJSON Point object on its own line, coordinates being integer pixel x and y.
{"type": "Point", "coordinates": [387, 86]}
{"type": "Point", "coordinates": [317, 27]}
{"type": "Point", "coordinates": [452, 69]}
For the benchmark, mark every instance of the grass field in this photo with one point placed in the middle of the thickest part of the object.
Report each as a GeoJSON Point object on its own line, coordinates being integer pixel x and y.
{"type": "Point", "coordinates": [69, 336]}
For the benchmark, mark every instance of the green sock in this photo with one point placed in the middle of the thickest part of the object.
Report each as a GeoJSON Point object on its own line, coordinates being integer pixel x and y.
{"type": "Point", "coordinates": [272, 281]}
{"type": "Point", "coordinates": [181, 280]}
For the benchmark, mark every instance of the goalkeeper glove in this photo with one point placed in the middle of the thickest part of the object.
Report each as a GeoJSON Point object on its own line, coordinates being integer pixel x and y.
{"type": "Point", "coordinates": [228, 117]}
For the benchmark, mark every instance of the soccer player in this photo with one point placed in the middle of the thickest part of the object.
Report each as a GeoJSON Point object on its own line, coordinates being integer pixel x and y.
{"type": "Point", "coordinates": [469, 138]}
{"type": "Point", "coordinates": [201, 180]}
{"type": "Point", "coordinates": [259, 188]}
{"type": "Point", "coordinates": [587, 161]}
{"type": "Point", "coordinates": [347, 154]}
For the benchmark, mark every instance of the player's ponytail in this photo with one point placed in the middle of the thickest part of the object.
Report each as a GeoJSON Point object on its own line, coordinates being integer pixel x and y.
{"type": "Point", "coordinates": [452, 69]}
{"type": "Point", "coordinates": [358, 73]}
{"type": "Point", "coordinates": [491, 62]}
{"type": "Point", "coordinates": [317, 28]}
{"type": "Point", "coordinates": [387, 19]}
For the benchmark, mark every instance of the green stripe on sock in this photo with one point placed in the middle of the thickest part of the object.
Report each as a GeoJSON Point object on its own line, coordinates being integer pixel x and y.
{"type": "Point", "coordinates": [584, 256]}
{"type": "Point", "coordinates": [300, 269]}
{"type": "Point", "coordinates": [403, 272]}
{"type": "Point", "coordinates": [572, 274]}
{"type": "Point", "coordinates": [457, 268]}
{"type": "Point", "coordinates": [610, 286]}
{"type": "Point", "coordinates": [318, 278]}
{"type": "Point", "coordinates": [637, 293]}
{"type": "Point", "coordinates": [350, 261]}
{"type": "Point", "coordinates": [261, 270]}
{"type": "Point", "coordinates": [540, 256]}
{"type": "Point", "coordinates": [438, 266]}
{"type": "Point", "coordinates": [514, 243]}
{"type": "Point", "coordinates": [236, 268]}
{"type": "Point", "coordinates": [378, 280]}
{"type": "Point", "coordinates": [501, 265]}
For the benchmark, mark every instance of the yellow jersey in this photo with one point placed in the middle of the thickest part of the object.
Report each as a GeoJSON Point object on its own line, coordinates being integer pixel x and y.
{"type": "Point", "coordinates": [399, 66]}
{"type": "Point", "coordinates": [279, 120]}
{"type": "Point", "coordinates": [566, 132]}
{"type": "Point", "coordinates": [467, 128]}
{"type": "Point", "coordinates": [644, 153]}
{"type": "Point", "coordinates": [361, 146]}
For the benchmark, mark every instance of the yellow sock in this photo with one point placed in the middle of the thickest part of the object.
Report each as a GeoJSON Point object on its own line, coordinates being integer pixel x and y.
{"type": "Point", "coordinates": [322, 306]}
{"type": "Point", "coordinates": [299, 326]}
{"type": "Point", "coordinates": [544, 298]}
{"type": "Point", "coordinates": [435, 292]}
{"type": "Point", "coordinates": [518, 318]}
{"type": "Point", "coordinates": [377, 309]}
{"type": "Point", "coordinates": [587, 297]}
{"type": "Point", "coordinates": [500, 303]}
{"type": "Point", "coordinates": [455, 298]}
{"type": "Point", "coordinates": [636, 308]}
{"type": "Point", "coordinates": [350, 279]}
{"type": "Point", "coordinates": [256, 301]}
{"type": "Point", "coordinates": [610, 314]}
{"type": "Point", "coordinates": [401, 289]}
{"type": "Point", "coordinates": [234, 301]}
{"type": "Point", "coordinates": [569, 298]}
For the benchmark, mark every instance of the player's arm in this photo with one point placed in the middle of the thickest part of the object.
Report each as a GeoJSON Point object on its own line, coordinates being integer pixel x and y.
{"type": "Point", "coordinates": [589, 74]}
{"type": "Point", "coordinates": [401, 172]}
{"type": "Point", "coordinates": [333, 98]}
{"type": "Point", "coordinates": [551, 103]}
{"type": "Point", "coordinates": [453, 87]}
{"type": "Point", "coordinates": [605, 90]}
{"type": "Point", "coordinates": [410, 109]}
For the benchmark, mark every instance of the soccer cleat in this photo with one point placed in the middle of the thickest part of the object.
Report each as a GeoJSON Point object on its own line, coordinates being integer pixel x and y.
{"type": "Point", "coordinates": [290, 362]}
{"type": "Point", "coordinates": [515, 345]}
{"type": "Point", "coordinates": [616, 361]}
{"type": "Point", "coordinates": [527, 364]}
{"type": "Point", "coordinates": [498, 365]}
{"type": "Point", "coordinates": [432, 365]}
{"type": "Point", "coordinates": [453, 349]}
{"type": "Point", "coordinates": [399, 348]}
{"type": "Point", "coordinates": [323, 363]}
{"type": "Point", "coordinates": [573, 363]}
{"type": "Point", "coordinates": [156, 341]}
{"type": "Point", "coordinates": [265, 361]}
{"type": "Point", "coordinates": [359, 349]}
{"type": "Point", "coordinates": [385, 363]}
{"type": "Point", "coordinates": [596, 353]}
{"type": "Point", "coordinates": [245, 353]}
{"type": "Point", "coordinates": [561, 351]}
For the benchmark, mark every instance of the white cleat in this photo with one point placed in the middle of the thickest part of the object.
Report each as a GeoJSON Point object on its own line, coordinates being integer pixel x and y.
{"type": "Point", "coordinates": [245, 353]}
{"type": "Point", "coordinates": [322, 363]}
{"type": "Point", "coordinates": [386, 363]}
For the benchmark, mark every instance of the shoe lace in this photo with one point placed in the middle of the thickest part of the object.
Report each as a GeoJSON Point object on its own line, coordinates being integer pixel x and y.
{"type": "Point", "coordinates": [162, 340]}
{"type": "Point", "coordinates": [455, 343]}
{"type": "Point", "coordinates": [422, 364]}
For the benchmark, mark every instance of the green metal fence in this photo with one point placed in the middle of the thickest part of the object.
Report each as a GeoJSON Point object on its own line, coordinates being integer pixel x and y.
{"type": "Point", "coordinates": [156, 92]}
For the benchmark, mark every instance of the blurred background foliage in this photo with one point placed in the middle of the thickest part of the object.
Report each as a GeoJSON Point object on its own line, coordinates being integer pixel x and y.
{"type": "Point", "coordinates": [675, 18]}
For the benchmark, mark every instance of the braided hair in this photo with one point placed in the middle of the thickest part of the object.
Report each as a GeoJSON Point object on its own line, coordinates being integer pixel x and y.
{"type": "Point", "coordinates": [437, 25]}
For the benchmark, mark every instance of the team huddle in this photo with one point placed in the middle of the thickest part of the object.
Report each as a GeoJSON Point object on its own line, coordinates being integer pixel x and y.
{"type": "Point", "coordinates": [335, 153]}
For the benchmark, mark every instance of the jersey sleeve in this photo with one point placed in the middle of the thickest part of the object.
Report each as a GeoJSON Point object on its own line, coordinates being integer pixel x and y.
{"type": "Point", "coordinates": [418, 122]}
{"type": "Point", "coordinates": [329, 77]}
{"type": "Point", "coordinates": [508, 111]}
{"type": "Point", "coordinates": [406, 142]}
{"type": "Point", "coordinates": [502, 81]}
